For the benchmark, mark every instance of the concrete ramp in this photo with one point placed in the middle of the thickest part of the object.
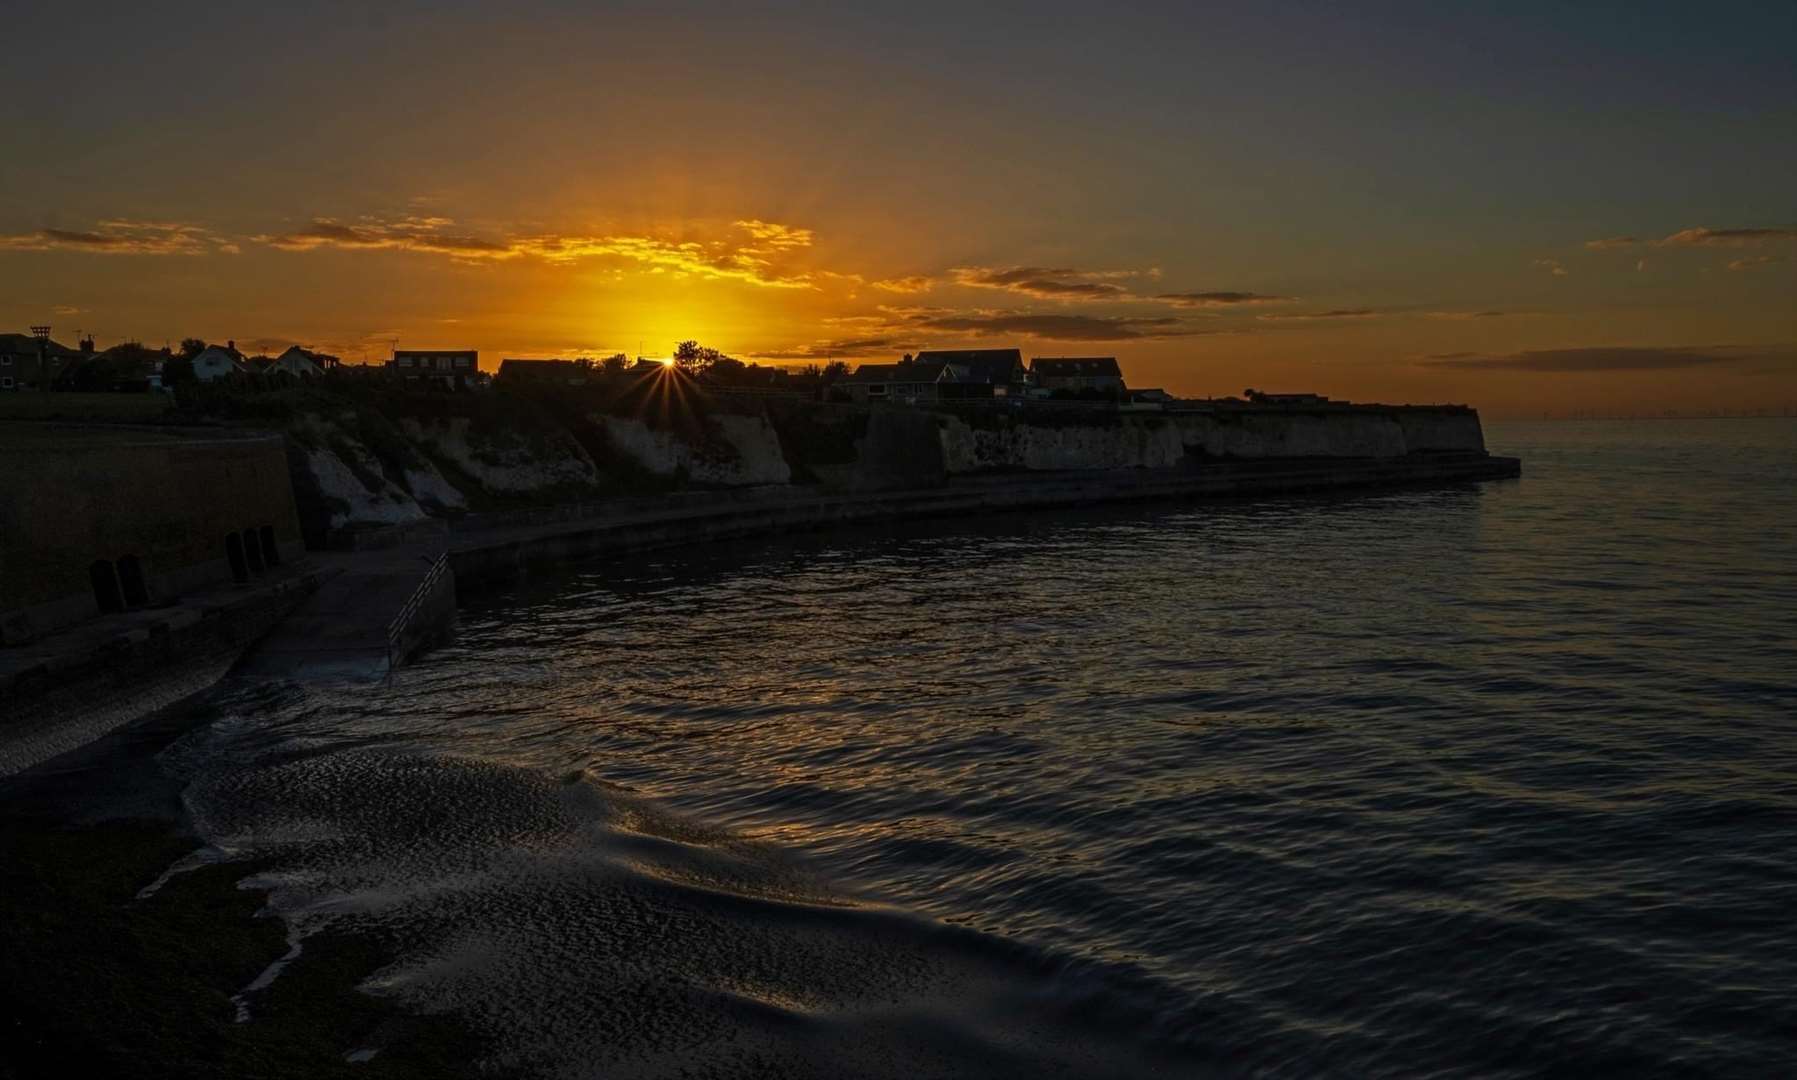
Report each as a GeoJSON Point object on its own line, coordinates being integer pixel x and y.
{"type": "Point", "coordinates": [377, 608]}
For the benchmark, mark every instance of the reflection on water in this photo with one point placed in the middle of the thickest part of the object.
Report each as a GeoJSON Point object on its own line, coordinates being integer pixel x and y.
{"type": "Point", "coordinates": [1495, 778]}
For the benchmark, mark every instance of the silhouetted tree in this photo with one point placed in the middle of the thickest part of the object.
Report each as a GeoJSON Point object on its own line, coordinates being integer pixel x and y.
{"type": "Point", "coordinates": [612, 365]}
{"type": "Point", "coordinates": [835, 370]}
{"type": "Point", "coordinates": [690, 357]}
{"type": "Point", "coordinates": [191, 347]}
{"type": "Point", "coordinates": [178, 370]}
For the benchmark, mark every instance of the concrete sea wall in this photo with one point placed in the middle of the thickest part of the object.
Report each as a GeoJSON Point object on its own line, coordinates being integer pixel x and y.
{"type": "Point", "coordinates": [169, 501]}
{"type": "Point", "coordinates": [446, 465]}
{"type": "Point", "coordinates": [1162, 440]}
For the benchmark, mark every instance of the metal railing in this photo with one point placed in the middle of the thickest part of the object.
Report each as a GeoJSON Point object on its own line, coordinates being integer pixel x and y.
{"type": "Point", "coordinates": [409, 610]}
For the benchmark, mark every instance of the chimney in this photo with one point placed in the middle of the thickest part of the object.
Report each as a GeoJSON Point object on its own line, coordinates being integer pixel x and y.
{"type": "Point", "coordinates": [87, 344]}
{"type": "Point", "coordinates": [230, 345]}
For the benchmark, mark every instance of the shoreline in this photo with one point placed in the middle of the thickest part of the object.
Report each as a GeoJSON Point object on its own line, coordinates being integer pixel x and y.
{"type": "Point", "coordinates": [151, 949]}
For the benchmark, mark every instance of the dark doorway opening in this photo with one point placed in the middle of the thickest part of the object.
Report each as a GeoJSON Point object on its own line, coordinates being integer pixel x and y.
{"type": "Point", "coordinates": [252, 550]}
{"type": "Point", "coordinates": [271, 554]}
{"type": "Point", "coordinates": [240, 570]}
{"type": "Point", "coordinates": [131, 581]}
{"type": "Point", "coordinates": [106, 586]}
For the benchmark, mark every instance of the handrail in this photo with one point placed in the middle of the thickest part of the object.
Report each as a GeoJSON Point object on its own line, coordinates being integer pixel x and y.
{"type": "Point", "coordinates": [409, 610]}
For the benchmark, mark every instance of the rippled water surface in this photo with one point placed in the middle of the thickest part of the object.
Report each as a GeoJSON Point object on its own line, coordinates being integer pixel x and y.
{"type": "Point", "coordinates": [1494, 779]}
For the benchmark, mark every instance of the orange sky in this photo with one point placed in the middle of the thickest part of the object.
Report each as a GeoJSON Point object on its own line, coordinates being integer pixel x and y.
{"type": "Point", "coordinates": [1514, 214]}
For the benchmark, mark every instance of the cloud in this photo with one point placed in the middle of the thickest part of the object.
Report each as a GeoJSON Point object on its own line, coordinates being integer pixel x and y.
{"type": "Point", "coordinates": [1056, 327]}
{"type": "Point", "coordinates": [1313, 316]}
{"type": "Point", "coordinates": [1045, 283]}
{"type": "Point", "coordinates": [1468, 314]}
{"type": "Point", "coordinates": [716, 259]}
{"type": "Point", "coordinates": [1754, 262]}
{"type": "Point", "coordinates": [1608, 358]}
{"type": "Point", "coordinates": [1552, 266]}
{"type": "Point", "coordinates": [776, 236]}
{"type": "Point", "coordinates": [122, 237]}
{"type": "Point", "coordinates": [406, 234]}
{"type": "Point", "coordinates": [1702, 237]}
{"type": "Point", "coordinates": [1611, 243]}
{"type": "Point", "coordinates": [912, 283]}
{"type": "Point", "coordinates": [844, 349]}
{"type": "Point", "coordinates": [270, 345]}
{"type": "Point", "coordinates": [65, 309]}
{"type": "Point", "coordinates": [1220, 299]}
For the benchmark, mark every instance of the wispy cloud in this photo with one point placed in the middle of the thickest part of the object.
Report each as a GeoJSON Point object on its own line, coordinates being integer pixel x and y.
{"type": "Point", "coordinates": [913, 283]}
{"type": "Point", "coordinates": [425, 234]}
{"type": "Point", "coordinates": [1316, 316]}
{"type": "Point", "coordinates": [1612, 243]}
{"type": "Point", "coordinates": [1552, 266]}
{"type": "Point", "coordinates": [725, 258]}
{"type": "Point", "coordinates": [1220, 299]}
{"type": "Point", "coordinates": [1057, 327]}
{"type": "Point", "coordinates": [1609, 358]}
{"type": "Point", "coordinates": [1755, 262]}
{"type": "Point", "coordinates": [776, 236]}
{"type": "Point", "coordinates": [123, 237]}
{"type": "Point", "coordinates": [1703, 237]}
{"type": "Point", "coordinates": [841, 349]}
{"type": "Point", "coordinates": [1049, 283]}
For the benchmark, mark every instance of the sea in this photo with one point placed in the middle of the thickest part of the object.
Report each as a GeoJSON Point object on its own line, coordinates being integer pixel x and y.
{"type": "Point", "coordinates": [1493, 779]}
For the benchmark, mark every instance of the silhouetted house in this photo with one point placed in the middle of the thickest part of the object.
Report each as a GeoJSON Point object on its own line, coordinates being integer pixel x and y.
{"type": "Point", "coordinates": [1153, 396]}
{"type": "Point", "coordinates": [217, 362]}
{"type": "Point", "coordinates": [1284, 399]}
{"type": "Point", "coordinates": [1000, 369]}
{"type": "Point", "coordinates": [300, 363]}
{"type": "Point", "coordinates": [26, 362]}
{"type": "Point", "coordinates": [907, 382]}
{"type": "Point", "coordinates": [1077, 373]}
{"type": "Point", "coordinates": [553, 372]}
{"type": "Point", "coordinates": [451, 369]}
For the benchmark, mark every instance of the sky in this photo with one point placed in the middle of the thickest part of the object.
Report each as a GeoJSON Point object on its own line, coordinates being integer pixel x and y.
{"type": "Point", "coordinates": [1516, 206]}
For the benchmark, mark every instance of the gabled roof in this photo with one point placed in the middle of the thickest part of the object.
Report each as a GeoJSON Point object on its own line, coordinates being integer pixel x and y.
{"type": "Point", "coordinates": [982, 365]}
{"type": "Point", "coordinates": [913, 372]}
{"type": "Point", "coordinates": [219, 352]}
{"type": "Point", "coordinates": [872, 373]}
{"type": "Point", "coordinates": [1068, 366]}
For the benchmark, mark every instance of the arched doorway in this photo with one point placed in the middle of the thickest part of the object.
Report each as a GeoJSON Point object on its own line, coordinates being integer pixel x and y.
{"type": "Point", "coordinates": [252, 551]}
{"type": "Point", "coordinates": [131, 581]}
{"type": "Point", "coordinates": [240, 570]}
{"type": "Point", "coordinates": [106, 586]}
{"type": "Point", "coordinates": [271, 554]}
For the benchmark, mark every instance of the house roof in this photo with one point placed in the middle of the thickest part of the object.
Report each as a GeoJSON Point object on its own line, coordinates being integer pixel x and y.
{"type": "Point", "coordinates": [543, 365]}
{"type": "Point", "coordinates": [1068, 366]}
{"type": "Point", "coordinates": [913, 372]}
{"type": "Point", "coordinates": [983, 365]}
{"type": "Point", "coordinates": [219, 352]}
{"type": "Point", "coordinates": [26, 345]}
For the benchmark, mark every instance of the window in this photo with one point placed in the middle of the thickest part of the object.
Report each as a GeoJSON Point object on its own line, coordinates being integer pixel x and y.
{"type": "Point", "coordinates": [5, 361]}
{"type": "Point", "coordinates": [6, 382]}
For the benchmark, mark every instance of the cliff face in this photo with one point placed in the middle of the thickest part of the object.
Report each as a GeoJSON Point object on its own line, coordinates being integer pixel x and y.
{"type": "Point", "coordinates": [504, 461]}
{"type": "Point", "coordinates": [1132, 442]}
{"type": "Point", "coordinates": [353, 469]}
{"type": "Point", "coordinates": [1155, 441]}
{"type": "Point", "coordinates": [737, 451]}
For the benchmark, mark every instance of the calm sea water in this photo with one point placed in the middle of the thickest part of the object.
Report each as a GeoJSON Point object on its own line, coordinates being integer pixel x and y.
{"type": "Point", "coordinates": [1483, 780]}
